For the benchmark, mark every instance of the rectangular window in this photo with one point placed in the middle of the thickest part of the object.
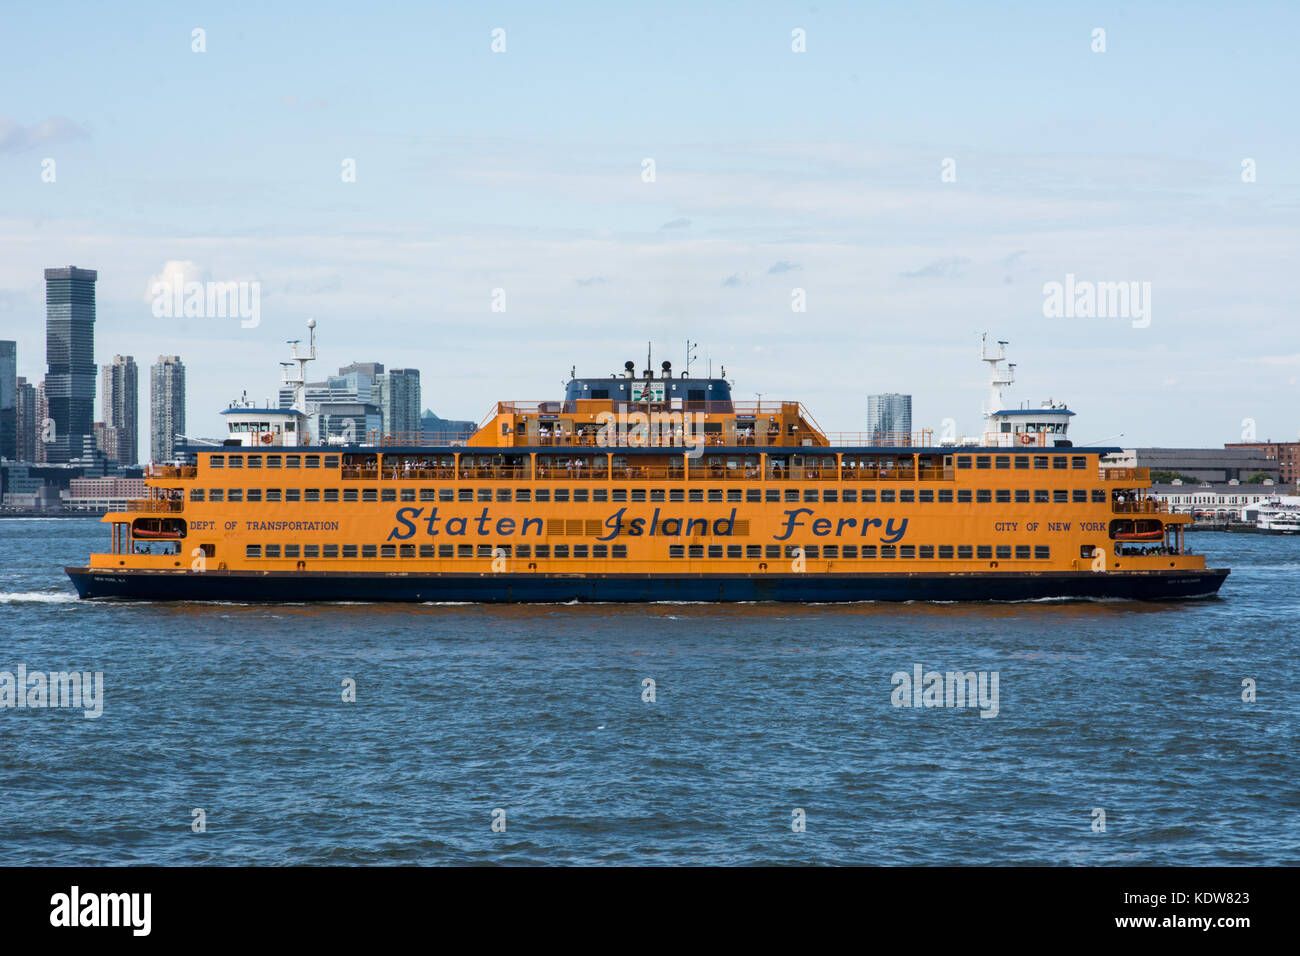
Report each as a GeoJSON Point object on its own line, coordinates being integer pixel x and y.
{"type": "Point", "coordinates": [810, 495]}
{"type": "Point", "coordinates": [907, 496]}
{"type": "Point", "coordinates": [983, 496]}
{"type": "Point", "coordinates": [1004, 552]}
{"type": "Point", "coordinates": [963, 461]}
{"type": "Point", "coordinates": [600, 551]}
{"type": "Point", "coordinates": [1041, 496]}
{"type": "Point", "coordinates": [311, 494]}
{"type": "Point", "coordinates": [733, 551]}
{"type": "Point", "coordinates": [330, 551]}
{"type": "Point", "coordinates": [216, 461]}
{"type": "Point", "coordinates": [467, 551]}
{"type": "Point", "coordinates": [1040, 462]}
{"type": "Point", "coordinates": [945, 496]}
{"type": "Point", "coordinates": [252, 550]}
{"type": "Point", "coordinates": [676, 551]}
{"type": "Point", "coordinates": [408, 550]}
{"type": "Point", "coordinates": [196, 494]}
{"type": "Point", "coordinates": [349, 551]}
{"type": "Point", "coordinates": [619, 551]}
{"type": "Point", "coordinates": [753, 551]}
{"type": "Point", "coordinates": [888, 551]}
{"type": "Point", "coordinates": [598, 494]}
{"type": "Point", "coordinates": [984, 551]}
{"type": "Point", "coordinates": [1022, 496]}
{"type": "Point", "coordinates": [926, 551]}
{"type": "Point", "coordinates": [830, 496]}
{"type": "Point", "coordinates": [331, 461]}
{"type": "Point", "coordinates": [638, 495]}
{"type": "Point", "coordinates": [867, 497]}
{"type": "Point", "coordinates": [235, 461]}
{"type": "Point", "coordinates": [1002, 462]}
{"type": "Point", "coordinates": [503, 494]}
{"type": "Point", "coordinates": [656, 495]}
{"type": "Point", "coordinates": [963, 496]}
{"type": "Point", "coordinates": [291, 550]}
{"type": "Point", "coordinates": [272, 551]}
{"type": "Point", "coordinates": [868, 550]}
{"type": "Point", "coordinates": [945, 552]}
{"type": "Point", "coordinates": [772, 551]}
{"type": "Point", "coordinates": [1042, 552]}
{"type": "Point", "coordinates": [792, 494]}
{"type": "Point", "coordinates": [234, 494]}
{"type": "Point", "coordinates": [676, 494]}
{"type": "Point", "coordinates": [981, 461]}
{"type": "Point", "coordinates": [579, 550]}
{"type": "Point", "coordinates": [254, 461]}
{"type": "Point", "coordinates": [1003, 496]}
{"type": "Point", "coordinates": [293, 461]}
{"type": "Point", "coordinates": [385, 494]}
{"type": "Point", "coordinates": [426, 550]}
{"type": "Point", "coordinates": [1060, 462]}
{"type": "Point", "coordinates": [1098, 496]}
{"type": "Point", "coordinates": [1060, 496]}
{"type": "Point", "coordinates": [332, 494]}
{"type": "Point", "coordinates": [753, 495]}
{"type": "Point", "coordinates": [697, 551]}
{"type": "Point", "coordinates": [927, 496]}
{"type": "Point", "coordinates": [964, 552]}
{"type": "Point", "coordinates": [1022, 552]}
{"type": "Point", "coordinates": [1079, 496]}
{"type": "Point", "coordinates": [851, 551]}
{"type": "Point", "coordinates": [1022, 462]}
{"type": "Point", "coordinates": [388, 550]}
{"type": "Point", "coordinates": [1079, 462]}
{"type": "Point", "coordinates": [274, 461]}
{"type": "Point", "coordinates": [771, 495]}
{"type": "Point", "coordinates": [886, 496]}
{"type": "Point", "coordinates": [313, 461]}
{"type": "Point", "coordinates": [715, 550]}
{"type": "Point", "coordinates": [369, 551]}
{"type": "Point", "coordinates": [254, 494]}
{"type": "Point", "coordinates": [907, 551]}
{"type": "Point", "coordinates": [850, 496]}
{"type": "Point", "coordinates": [311, 550]}
{"type": "Point", "coordinates": [369, 494]}
{"type": "Point", "coordinates": [522, 494]}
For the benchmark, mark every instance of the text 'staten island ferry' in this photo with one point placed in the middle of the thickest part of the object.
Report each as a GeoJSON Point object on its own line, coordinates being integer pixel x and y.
{"type": "Point", "coordinates": [646, 487]}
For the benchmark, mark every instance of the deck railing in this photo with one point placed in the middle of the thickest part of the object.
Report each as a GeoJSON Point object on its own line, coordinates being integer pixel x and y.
{"type": "Point", "coordinates": [1126, 474]}
{"type": "Point", "coordinates": [170, 471]}
{"type": "Point", "coordinates": [1145, 506]}
{"type": "Point", "coordinates": [156, 505]}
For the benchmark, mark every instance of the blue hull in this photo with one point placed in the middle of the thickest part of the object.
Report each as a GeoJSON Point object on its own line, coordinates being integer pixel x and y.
{"type": "Point", "coordinates": [640, 588]}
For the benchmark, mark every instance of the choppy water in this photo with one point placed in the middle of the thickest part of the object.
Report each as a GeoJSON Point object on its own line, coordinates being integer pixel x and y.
{"type": "Point", "coordinates": [538, 710]}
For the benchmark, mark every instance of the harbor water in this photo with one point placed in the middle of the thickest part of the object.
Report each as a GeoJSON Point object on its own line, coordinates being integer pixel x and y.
{"type": "Point", "coordinates": [662, 734]}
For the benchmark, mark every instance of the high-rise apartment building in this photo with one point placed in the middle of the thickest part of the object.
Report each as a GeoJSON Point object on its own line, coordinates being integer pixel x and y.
{"type": "Point", "coordinates": [70, 361]}
{"type": "Point", "coordinates": [166, 406]}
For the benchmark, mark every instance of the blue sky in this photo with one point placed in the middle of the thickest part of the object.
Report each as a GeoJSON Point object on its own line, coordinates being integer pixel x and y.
{"type": "Point", "coordinates": [774, 170]}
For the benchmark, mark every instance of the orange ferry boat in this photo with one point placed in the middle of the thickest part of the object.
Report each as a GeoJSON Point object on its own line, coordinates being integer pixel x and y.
{"type": "Point", "coordinates": [645, 487]}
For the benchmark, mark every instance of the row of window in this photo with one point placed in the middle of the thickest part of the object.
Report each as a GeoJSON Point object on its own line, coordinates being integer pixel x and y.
{"type": "Point", "coordinates": [273, 461]}
{"type": "Point", "coordinates": [942, 552]}
{"type": "Point", "coordinates": [771, 495]}
{"type": "Point", "coordinates": [1022, 462]}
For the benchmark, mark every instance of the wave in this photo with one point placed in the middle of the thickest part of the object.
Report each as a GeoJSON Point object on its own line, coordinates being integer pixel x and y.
{"type": "Point", "coordinates": [37, 597]}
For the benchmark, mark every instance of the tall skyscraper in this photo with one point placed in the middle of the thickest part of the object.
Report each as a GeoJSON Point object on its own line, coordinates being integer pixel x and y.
{"type": "Point", "coordinates": [8, 400]}
{"type": "Point", "coordinates": [70, 358]}
{"type": "Point", "coordinates": [119, 398]}
{"type": "Point", "coordinates": [397, 393]}
{"type": "Point", "coordinates": [25, 414]}
{"type": "Point", "coordinates": [42, 434]}
{"type": "Point", "coordinates": [889, 419]}
{"type": "Point", "coordinates": [166, 406]}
